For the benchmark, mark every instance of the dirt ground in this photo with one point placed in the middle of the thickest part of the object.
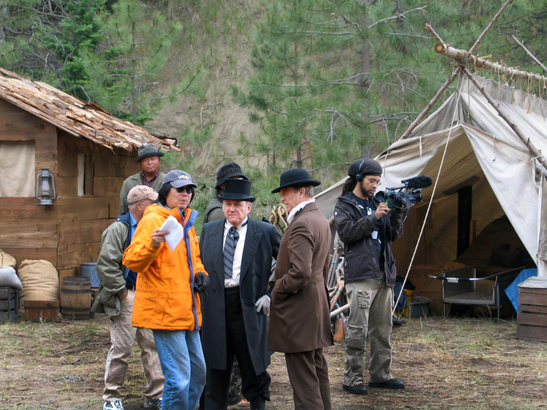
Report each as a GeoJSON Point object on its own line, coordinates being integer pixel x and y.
{"type": "Point", "coordinates": [445, 363]}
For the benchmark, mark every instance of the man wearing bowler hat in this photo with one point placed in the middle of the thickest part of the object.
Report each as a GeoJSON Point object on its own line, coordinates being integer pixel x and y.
{"type": "Point", "coordinates": [149, 158]}
{"type": "Point", "coordinates": [299, 316]}
{"type": "Point", "coordinates": [237, 253]}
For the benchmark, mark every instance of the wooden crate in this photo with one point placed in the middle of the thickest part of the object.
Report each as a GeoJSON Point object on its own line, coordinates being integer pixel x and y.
{"type": "Point", "coordinates": [9, 303]}
{"type": "Point", "coordinates": [41, 310]}
{"type": "Point", "coordinates": [532, 317]}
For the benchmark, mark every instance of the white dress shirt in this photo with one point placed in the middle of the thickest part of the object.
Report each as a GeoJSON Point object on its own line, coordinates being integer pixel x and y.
{"type": "Point", "coordinates": [238, 254]}
{"type": "Point", "coordinates": [297, 209]}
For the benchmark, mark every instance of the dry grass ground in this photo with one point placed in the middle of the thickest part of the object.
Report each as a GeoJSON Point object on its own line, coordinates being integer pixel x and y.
{"type": "Point", "coordinates": [445, 363]}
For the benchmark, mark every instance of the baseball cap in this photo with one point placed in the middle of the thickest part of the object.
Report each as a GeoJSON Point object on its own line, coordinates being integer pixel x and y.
{"type": "Point", "coordinates": [178, 179]}
{"type": "Point", "coordinates": [141, 193]}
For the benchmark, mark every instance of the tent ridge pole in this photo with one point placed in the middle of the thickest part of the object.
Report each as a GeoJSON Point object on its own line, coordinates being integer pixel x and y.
{"type": "Point", "coordinates": [535, 152]}
{"type": "Point", "coordinates": [465, 58]}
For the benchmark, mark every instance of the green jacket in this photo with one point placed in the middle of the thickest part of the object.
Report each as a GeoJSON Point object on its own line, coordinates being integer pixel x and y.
{"type": "Point", "coordinates": [131, 182]}
{"type": "Point", "coordinates": [110, 269]}
{"type": "Point", "coordinates": [214, 211]}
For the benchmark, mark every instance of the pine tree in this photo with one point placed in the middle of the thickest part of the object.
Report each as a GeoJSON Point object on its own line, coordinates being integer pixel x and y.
{"type": "Point", "coordinates": [336, 80]}
{"type": "Point", "coordinates": [324, 72]}
{"type": "Point", "coordinates": [124, 74]}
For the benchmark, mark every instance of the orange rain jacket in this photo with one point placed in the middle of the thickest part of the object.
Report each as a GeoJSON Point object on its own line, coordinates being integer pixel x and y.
{"type": "Point", "coordinates": [165, 298]}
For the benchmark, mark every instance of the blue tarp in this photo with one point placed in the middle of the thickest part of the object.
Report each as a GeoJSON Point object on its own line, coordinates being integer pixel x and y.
{"type": "Point", "coordinates": [512, 290]}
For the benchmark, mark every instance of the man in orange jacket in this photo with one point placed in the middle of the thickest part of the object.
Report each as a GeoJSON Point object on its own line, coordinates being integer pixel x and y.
{"type": "Point", "coordinates": [167, 296]}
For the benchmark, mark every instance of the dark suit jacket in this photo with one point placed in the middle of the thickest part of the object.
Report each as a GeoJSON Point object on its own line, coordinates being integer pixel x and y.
{"type": "Point", "coordinates": [299, 312]}
{"type": "Point", "coordinates": [261, 245]}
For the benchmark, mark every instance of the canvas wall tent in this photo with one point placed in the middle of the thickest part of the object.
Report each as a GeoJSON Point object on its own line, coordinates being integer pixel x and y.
{"type": "Point", "coordinates": [482, 152]}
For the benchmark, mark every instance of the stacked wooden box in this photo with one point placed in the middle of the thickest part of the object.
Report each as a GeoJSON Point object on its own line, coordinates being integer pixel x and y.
{"type": "Point", "coordinates": [532, 317]}
{"type": "Point", "coordinates": [9, 304]}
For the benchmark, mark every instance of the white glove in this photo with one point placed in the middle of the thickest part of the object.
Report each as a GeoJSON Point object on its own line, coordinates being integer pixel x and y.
{"type": "Point", "coordinates": [264, 304]}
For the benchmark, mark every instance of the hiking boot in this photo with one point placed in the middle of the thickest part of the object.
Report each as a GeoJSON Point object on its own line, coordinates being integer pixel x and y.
{"type": "Point", "coordinates": [113, 405]}
{"type": "Point", "coordinates": [388, 384]}
{"type": "Point", "coordinates": [156, 405]}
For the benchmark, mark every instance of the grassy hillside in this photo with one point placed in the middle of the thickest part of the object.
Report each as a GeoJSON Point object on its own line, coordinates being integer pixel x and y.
{"type": "Point", "coordinates": [214, 45]}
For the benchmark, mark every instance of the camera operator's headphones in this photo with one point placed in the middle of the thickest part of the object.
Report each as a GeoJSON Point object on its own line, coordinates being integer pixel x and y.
{"type": "Point", "coordinates": [359, 176]}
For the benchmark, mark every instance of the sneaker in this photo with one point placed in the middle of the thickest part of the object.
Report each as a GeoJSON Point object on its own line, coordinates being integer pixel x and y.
{"type": "Point", "coordinates": [113, 405]}
{"type": "Point", "coordinates": [156, 405]}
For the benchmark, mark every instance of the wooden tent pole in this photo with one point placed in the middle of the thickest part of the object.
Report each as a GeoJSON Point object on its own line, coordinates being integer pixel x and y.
{"type": "Point", "coordinates": [420, 117]}
{"type": "Point", "coordinates": [465, 58]}
{"type": "Point", "coordinates": [494, 19]}
{"type": "Point", "coordinates": [428, 27]}
{"type": "Point", "coordinates": [535, 152]}
{"type": "Point", "coordinates": [529, 53]}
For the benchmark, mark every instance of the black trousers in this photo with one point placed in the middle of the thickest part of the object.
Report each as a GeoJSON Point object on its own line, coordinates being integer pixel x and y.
{"type": "Point", "coordinates": [253, 387]}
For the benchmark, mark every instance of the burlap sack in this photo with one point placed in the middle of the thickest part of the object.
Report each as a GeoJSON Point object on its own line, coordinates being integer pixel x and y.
{"type": "Point", "coordinates": [40, 280]}
{"type": "Point", "coordinates": [6, 259]}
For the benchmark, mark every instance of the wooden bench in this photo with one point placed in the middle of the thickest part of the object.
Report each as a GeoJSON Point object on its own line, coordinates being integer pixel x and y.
{"type": "Point", "coordinates": [460, 287]}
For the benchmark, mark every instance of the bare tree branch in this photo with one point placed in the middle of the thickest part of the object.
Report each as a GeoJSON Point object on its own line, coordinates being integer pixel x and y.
{"type": "Point", "coordinates": [396, 17]}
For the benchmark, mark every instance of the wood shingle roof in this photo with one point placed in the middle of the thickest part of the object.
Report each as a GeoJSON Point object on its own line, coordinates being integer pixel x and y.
{"type": "Point", "coordinates": [81, 119]}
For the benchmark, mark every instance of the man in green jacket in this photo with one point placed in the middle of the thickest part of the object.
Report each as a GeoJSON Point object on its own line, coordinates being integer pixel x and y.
{"type": "Point", "coordinates": [115, 298]}
{"type": "Point", "coordinates": [149, 158]}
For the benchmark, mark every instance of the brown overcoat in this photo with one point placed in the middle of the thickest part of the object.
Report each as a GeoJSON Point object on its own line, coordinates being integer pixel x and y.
{"type": "Point", "coordinates": [299, 314]}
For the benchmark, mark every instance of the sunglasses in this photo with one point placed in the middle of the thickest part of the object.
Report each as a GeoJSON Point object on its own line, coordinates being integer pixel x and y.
{"type": "Point", "coordinates": [189, 190]}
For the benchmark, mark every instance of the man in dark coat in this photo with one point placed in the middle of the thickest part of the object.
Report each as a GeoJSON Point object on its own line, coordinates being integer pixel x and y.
{"type": "Point", "coordinates": [300, 318]}
{"type": "Point", "coordinates": [367, 227]}
{"type": "Point", "coordinates": [237, 252]}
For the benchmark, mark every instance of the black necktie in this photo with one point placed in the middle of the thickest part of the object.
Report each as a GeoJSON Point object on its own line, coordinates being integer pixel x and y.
{"type": "Point", "coordinates": [229, 250]}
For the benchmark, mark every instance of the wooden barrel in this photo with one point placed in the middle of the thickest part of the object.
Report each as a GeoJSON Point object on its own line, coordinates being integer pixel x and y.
{"type": "Point", "coordinates": [75, 297]}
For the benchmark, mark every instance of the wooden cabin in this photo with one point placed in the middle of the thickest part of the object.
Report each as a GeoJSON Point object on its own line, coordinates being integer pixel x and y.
{"type": "Point", "coordinates": [88, 151]}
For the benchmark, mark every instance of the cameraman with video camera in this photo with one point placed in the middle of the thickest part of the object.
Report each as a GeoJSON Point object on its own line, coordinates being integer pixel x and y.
{"type": "Point", "coordinates": [367, 226]}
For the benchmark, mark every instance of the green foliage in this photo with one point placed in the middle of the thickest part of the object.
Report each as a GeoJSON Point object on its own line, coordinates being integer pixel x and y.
{"type": "Point", "coordinates": [335, 80]}
{"type": "Point", "coordinates": [123, 73]}
{"type": "Point", "coordinates": [43, 39]}
{"type": "Point", "coordinates": [326, 73]}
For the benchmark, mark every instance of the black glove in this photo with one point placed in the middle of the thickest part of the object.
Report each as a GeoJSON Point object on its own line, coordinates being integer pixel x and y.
{"type": "Point", "coordinates": [201, 281]}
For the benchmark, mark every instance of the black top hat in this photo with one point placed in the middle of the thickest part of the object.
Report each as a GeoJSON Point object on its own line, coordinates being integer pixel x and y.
{"type": "Point", "coordinates": [237, 190]}
{"type": "Point", "coordinates": [296, 177]}
{"type": "Point", "coordinates": [228, 171]}
{"type": "Point", "coordinates": [148, 150]}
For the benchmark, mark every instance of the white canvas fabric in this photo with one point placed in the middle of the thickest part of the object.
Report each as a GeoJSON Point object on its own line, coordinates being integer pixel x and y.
{"type": "Point", "coordinates": [17, 167]}
{"type": "Point", "coordinates": [483, 151]}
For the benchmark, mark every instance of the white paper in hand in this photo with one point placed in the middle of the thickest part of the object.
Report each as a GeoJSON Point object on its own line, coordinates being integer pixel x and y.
{"type": "Point", "coordinates": [175, 232]}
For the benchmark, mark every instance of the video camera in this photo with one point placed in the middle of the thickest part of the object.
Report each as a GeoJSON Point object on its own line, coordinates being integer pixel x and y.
{"type": "Point", "coordinates": [407, 195]}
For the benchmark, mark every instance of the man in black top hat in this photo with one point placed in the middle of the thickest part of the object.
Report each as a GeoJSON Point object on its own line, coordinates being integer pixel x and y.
{"type": "Point", "coordinates": [214, 212]}
{"type": "Point", "coordinates": [237, 252]}
{"type": "Point", "coordinates": [149, 158]}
